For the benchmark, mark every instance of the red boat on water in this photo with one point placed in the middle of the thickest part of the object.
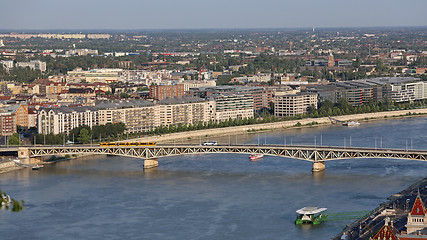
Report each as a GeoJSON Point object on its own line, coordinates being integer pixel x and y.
{"type": "Point", "coordinates": [254, 157]}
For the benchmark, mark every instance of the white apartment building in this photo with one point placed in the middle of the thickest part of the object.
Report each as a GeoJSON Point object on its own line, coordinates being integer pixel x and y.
{"type": "Point", "coordinates": [143, 116]}
{"type": "Point", "coordinates": [293, 104]}
{"type": "Point", "coordinates": [406, 92]}
{"type": "Point", "coordinates": [81, 52]}
{"type": "Point", "coordinates": [187, 110]}
{"type": "Point", "coordinates": [33, 64]}
{"type": "Point", "coordinates": [64, 119]}
{"type": "Point", "coordinates": [7, 64]}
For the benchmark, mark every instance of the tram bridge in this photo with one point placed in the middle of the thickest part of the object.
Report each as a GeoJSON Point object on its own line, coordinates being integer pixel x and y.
{"type": "Point", "coordinates": [318, 155]}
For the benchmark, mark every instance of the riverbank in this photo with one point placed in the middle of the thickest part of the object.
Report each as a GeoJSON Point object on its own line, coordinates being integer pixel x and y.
{"type": "Point", "coordinates": [8, 166]}
{"type": "Point", "coordinates": [12, 164]}
{"type": "Point", "coordinates": [306, 122]}
{"type": "Point", "coordinates": [368, 225]}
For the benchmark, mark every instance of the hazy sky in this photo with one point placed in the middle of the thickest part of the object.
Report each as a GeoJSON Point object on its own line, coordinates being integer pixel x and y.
{"type": "Point", "coordinates": [187, 14]}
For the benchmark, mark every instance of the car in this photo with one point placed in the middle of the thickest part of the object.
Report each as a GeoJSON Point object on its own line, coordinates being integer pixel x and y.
{"type": "Point", "coordinates": [210, 143]}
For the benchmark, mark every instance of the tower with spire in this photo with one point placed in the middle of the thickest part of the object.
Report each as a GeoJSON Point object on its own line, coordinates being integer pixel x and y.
{"type": "Point", "coordinates": [417, 218]}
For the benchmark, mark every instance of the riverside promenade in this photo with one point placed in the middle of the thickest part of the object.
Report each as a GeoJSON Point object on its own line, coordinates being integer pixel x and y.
{"type": "Point", "coordinates": [277, 125]}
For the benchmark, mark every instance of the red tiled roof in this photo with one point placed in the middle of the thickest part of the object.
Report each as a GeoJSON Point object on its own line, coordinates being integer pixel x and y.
{"type": "Point", "coordinates": [385, 233]}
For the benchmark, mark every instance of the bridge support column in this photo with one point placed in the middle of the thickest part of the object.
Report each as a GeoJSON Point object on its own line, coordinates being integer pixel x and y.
{"type": "Point", "coordinates": [318, 166]}
{"type": "Point", "coordinates": [23, 153]}
{"type": "Point", "coordinates": [151, 163]}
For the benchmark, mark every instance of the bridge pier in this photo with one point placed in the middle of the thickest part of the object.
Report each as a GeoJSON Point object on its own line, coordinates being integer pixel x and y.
{"type": "Point", "coordinates": [23, 152]}
{"type": "Point", "coordinates": [318, 166]}
{"type": "Point", "coordinates": [151, 163]}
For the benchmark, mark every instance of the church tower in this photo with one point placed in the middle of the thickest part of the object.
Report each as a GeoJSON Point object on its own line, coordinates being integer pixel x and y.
{"type": "Point", "coordinates": [417, 218]}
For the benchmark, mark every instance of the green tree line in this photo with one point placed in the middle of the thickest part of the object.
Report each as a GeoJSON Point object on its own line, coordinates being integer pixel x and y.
{"type": "Point", "coordinates": [82, 134]}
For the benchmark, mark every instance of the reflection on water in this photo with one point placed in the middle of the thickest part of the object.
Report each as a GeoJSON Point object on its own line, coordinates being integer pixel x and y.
{"type": "Point", "coordinates": [318, 177]}
{"type": "Point", "coordinates": [216, 196]}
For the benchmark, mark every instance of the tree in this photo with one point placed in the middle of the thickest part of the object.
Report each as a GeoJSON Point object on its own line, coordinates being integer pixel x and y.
{"type": "Point", "coordinates": [311, 109]}
{"type": "Point", "coordinates": [124, 95]}
{"type": "Point", "coordinates": [224, 79]}
{"type": "Point", "coordinates": [14, 139]}
{"type": "Point", "coordinates": [84, 136]}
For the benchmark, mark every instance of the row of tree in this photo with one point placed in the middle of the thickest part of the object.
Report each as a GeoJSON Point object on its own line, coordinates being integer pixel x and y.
{"type": "Point", "coordinates": [82, 135]}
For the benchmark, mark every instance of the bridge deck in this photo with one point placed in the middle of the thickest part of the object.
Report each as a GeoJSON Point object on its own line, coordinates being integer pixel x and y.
{"type": "Point", "coordinates": [308, 153]}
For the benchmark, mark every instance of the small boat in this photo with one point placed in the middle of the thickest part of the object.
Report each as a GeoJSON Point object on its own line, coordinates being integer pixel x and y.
{"type": "Point", "coordinates": [351, 123]}
{"type": "Point", "coordinates": [254, 157]}
{"type": "Point", "coordinates": [313, 215]}
{"type": "Point", "coordinates": [36, 167]}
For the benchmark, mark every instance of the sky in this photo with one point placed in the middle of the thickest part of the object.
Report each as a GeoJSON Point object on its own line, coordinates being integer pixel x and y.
{"type": "Point", "coordinates": [213, 14]}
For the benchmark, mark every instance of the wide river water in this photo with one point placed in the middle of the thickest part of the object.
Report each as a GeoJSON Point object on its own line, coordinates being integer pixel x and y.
{"type": "Point", "coordinates": [217, 196]}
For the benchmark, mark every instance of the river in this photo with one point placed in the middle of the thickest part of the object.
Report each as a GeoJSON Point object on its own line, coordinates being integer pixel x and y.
{"type": "Point", "coordinates": [217, 196]}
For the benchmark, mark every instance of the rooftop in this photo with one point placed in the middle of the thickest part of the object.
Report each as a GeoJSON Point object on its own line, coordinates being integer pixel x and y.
{"type": "Point", "coordinates": [122, 104]}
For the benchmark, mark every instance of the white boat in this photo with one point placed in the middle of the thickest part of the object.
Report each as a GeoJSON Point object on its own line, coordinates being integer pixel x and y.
{"type": "Point", "coordinates": [254, 157]}
{"type": "Point", "coordinates": [313, 215]}
{"type": "Point", "coordinates": [6, 200]}
{"type": "Point", "coordinates": [351, 123]}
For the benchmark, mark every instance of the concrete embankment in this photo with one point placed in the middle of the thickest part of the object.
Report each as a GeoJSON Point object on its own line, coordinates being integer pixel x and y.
{"type": "Point", "coordinates": [277, 125]}
{"type": "Point", "coordinates": [7, 166]}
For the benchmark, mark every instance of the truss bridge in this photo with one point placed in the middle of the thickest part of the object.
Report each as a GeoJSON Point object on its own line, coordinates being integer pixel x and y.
{"type": "Point", "coordinates": [318, 155]}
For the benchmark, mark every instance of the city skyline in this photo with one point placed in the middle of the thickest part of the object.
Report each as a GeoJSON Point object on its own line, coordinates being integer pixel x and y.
{"type": "Point", "coordinates": [188, 14]}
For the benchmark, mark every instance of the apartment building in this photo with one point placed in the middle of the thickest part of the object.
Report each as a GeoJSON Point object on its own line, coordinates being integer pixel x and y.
{"type": "Point", "coordinates": [7, 124]}
{"type": "Point", "coordinates": [143, 116]}
{"type": "Point", "coordinates": [104, 75]}
{"type": "Point", "coordinates": [232, 106]}
{"type": "Point", "coordinates": [138, 116]}
{"type": "Point", "coordinates": [64, 119]}
{"type": "Point", "coordinates": [261, 96]}
{"type": "Point", "coordinates": [20, 113]}
{"type": "Point", "coordinates": [293, 104]}
{"type": "Point", "coordinates": [32, 117]}
{"type": "Point", "coordinates": [160, 92]}
{"type": "Point", "coordinates": [187, 110]}
{"type": "Point", "coordinates": [33, 64]}
{"type": "Point", "coordinates": [81, 52]}
{"type": "Point", "coordinates": [399, 89]}
{"type": "Point", "coordinates": [7, 64]}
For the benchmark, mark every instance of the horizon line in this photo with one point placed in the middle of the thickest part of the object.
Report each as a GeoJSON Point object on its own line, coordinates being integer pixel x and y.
{"type": "Point", "coordinates": [200, 29]}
